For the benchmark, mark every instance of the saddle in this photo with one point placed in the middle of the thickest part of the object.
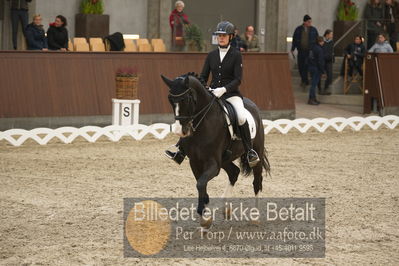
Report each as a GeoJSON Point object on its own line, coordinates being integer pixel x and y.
{"type": "Point", "coordinates": [230, 118]}
{"type": "Point", "coordinates": [232, 121]}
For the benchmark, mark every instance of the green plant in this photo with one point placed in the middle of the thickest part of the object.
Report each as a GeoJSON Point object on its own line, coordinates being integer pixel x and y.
{"type": "Point", "coordinates": [347, 11]}
{"type": "Point", "coordinates": [192, 33]}
{"type": "Point", "coordinates": [92, 7]}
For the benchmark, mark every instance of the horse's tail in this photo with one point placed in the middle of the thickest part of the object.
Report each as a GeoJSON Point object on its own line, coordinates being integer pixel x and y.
{"type": "Point", "coordinates": [265, 162]}
{"type": "Point", "coordinates": [247, 170]}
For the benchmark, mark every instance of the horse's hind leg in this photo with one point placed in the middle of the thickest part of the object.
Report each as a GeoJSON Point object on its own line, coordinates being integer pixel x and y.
{"type": "Point", "coordinates": [232, 171]}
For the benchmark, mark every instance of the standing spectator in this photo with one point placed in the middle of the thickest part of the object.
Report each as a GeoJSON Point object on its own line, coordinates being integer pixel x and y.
{"type": "Point", "coordinates": [304, 38]}
{"type": "Point", "coordinates": [19, 12]}
{"type": "Point", "coordinates": [328, 49]}
{"type": "Point", "coordinates": [375, 21]}
{"type": "Point", "coordinates": [392, 21]}
{"type": "Point", "coordinates": [381, 46]}
{"type": "Point", "coordinates": [57, 34]}
{"type": "Point", "coordinates": [35, 35]}
{"type": "Point", "coordinates": [355, 53]}
{"type": "Point", "coordinates": [316, 68]}
{"type": "Point", "coordinates": [251, 43]}
{"type": "Point", "coordinates": [177, 20]}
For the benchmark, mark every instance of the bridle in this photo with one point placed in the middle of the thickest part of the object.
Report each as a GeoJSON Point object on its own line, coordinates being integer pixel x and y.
{"type": "Point", "coordinates": [190, 96]}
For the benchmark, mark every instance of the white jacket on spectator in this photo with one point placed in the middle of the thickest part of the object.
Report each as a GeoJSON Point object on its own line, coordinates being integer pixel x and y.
{"type": "Point", "coordinates": [384, 47]}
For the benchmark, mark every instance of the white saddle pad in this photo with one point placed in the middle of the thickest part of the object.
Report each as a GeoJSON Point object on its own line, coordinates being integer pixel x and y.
{"type": "Point", "coordinates": [251, 123]}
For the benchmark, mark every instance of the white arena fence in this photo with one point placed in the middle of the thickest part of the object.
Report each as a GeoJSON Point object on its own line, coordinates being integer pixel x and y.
{"type": "Point", "coordinates": [42, 136]}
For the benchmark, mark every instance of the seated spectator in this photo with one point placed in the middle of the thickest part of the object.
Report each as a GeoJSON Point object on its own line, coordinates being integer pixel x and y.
{"type": "Point", "coordinates": [237, 42]}
{"type": "Point", "coordinates": [57, 34]}
{"type": "Point", "coordinates": [355, 53]}
{"type": "Point", "coordinates": [382, 45]}
{"type": "Point", "coordinates": [328, 50]}
{"type": "Point", "coordinates": [250, 40]}
{"type": "Point", "coordinates": [316, 68]}
{"type": "Point", "coordinates": [35, 35]}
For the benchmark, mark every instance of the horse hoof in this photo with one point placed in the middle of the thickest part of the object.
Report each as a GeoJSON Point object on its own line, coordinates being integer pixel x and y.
{"type": "Point", "coordinates": [206, 223]}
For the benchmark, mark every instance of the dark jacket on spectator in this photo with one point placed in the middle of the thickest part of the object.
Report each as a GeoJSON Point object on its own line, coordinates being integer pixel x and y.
{"type": "Point", "coordinates": [373, 15]}
{"type": "Point", "coordinates": [317, 59]}
{"type": "Point", "coordinates": [328, 49]}
{"type": "Point", "coordinates": [237, 43]}
{"type": "Point", "coordinates": [19, 4]}
{"type": "Point", "coordinates": [356, 51]}
{"type": "Point", "coordinates": [395, 14]}
{"type": "Point", "coordinates": [35, 37]}
{"type": "Point", "coordinates": [57, 37]}
{"type": "Point", "coordinates": [296, 40]}
{"type": "Point", "coordinates": [116, 41]}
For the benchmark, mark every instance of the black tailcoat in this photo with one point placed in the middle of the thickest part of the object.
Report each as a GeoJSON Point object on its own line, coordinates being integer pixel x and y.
{"type": "Point", "coordinates": [226, 74]}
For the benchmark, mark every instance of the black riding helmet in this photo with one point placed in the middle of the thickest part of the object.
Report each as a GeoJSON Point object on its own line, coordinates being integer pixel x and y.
{"type": "Point", "coordinates": [225, 27]}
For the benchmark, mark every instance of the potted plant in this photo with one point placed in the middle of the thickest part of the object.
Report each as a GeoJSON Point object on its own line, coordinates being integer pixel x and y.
{"type": "Point", "coordinates": [347, 16]}
{"type": "Point", "coordinates": [91, 21]}
{"type": "Point", "coordinates": [193, 37]}
{"type": "Point", "coordinates": [127, 79]}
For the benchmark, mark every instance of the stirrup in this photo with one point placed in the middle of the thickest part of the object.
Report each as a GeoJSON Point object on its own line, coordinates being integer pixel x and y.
{"type": "Point", "coordinates": [255, 158]}
{"type": "Point", "coordinates": [177, 157]}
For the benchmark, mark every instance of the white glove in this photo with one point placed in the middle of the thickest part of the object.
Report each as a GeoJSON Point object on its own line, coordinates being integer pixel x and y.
{"type": "Point", "coordinates": [218, 92]}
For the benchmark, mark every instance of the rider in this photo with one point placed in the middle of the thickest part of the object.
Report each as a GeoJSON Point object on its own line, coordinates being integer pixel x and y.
{"type": "Point", "coordinates": [225, 63]}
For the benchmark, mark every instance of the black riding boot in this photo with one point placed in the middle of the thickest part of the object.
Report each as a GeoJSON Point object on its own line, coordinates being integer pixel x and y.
{"type": "Point", "coordinates": [178, 156]}
{"type": "Point", "coordinates": [252, 156]}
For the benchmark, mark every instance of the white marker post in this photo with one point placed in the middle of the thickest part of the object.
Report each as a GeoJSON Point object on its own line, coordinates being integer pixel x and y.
{"type": "Point", "coordinates": [125, 112]}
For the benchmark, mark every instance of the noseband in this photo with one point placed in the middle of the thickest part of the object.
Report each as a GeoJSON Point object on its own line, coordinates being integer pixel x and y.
{"type": "Point", "coordinates": [189, 96]}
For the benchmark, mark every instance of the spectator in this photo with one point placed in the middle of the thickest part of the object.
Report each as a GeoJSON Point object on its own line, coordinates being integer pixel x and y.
{"type": "Point", "coordinates": [382, 45]}
{"type": "Point", "coordinates": [35, 35]}
{"type": "Point", "coordinates": [237, 42]}
{"type": "Point", "coordinates": [177, 20]}
{"type": "Point", "coordinates": [304, 38]}
{"type": "Point", "coordinates": [57, 34]}
{"type": "Point", "coordinates": [316, 68]}
{"type": "Point", "coordinates": [375, 19]}
{"type": "Point", "coordinates": [392, 21]}
{"type": "Point", "coordinates": [19, 12]}
{"type": "Point", "coordinates": [328, 50]}
{"type": "Point", "coordinates": [355, 53]}
{"type": "Point", "coordinates": [250, 40]}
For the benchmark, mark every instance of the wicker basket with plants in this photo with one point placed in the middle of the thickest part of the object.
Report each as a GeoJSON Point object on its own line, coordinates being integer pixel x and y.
{"type": "Point", "coordinates": [127, 83]}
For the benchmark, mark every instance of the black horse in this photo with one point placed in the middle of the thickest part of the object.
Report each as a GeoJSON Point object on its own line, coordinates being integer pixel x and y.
{"type": "Point", "coordinates": [206, 138]}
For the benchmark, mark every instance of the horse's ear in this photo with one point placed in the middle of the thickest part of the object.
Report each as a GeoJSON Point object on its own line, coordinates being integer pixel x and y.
{"type": "Point", "coordinates": [167, 81]}
{"type": "Point", "coordinates": [187, 82]}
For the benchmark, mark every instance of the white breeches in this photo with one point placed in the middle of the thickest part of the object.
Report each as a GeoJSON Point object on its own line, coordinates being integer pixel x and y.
{"type": "Point", "coordinates": [240, 109]}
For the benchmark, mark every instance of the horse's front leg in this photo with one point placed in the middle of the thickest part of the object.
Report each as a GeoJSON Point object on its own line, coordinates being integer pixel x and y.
{"type": "Point", "coordinates": [211, 170]}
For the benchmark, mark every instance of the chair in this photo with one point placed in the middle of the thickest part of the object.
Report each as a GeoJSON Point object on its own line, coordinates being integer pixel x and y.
{"type": "Point", "coordinates": [79, 40]}
{"type": "Point", "coordinates": [141, 41]}
{"type": "Point", "coordinates": [159, 47]}
{"type": "Point", "coordinates": [146, 47]}
{"type": "Point", "coordinates": [97, 47]}
{"type": "Point", "coordinates": [156, 41]}
{"type": "Point", "coordinates": [70, 45]}
{"type": "Point", "coordinates": [82, 47]}
{"type": "Point", "coordinates": [356, 79]}
{"type": "Point", "coordinates": [95, 40]}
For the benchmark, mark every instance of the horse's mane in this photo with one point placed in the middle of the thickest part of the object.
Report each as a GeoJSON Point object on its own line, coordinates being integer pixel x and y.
{"type": "Point", "coordinates": [197, 76]}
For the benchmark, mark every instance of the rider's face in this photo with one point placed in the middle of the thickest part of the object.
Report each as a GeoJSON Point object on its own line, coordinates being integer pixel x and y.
{"type": "Point", "coordinates": [223, 39]}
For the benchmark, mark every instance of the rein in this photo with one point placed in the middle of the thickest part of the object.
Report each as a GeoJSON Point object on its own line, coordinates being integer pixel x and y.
{"type": "Point", "coordinates": [191, 118]}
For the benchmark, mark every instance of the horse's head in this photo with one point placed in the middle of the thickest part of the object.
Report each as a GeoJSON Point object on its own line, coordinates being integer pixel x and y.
{"type": "Point", "coordinates": [183, 96]}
